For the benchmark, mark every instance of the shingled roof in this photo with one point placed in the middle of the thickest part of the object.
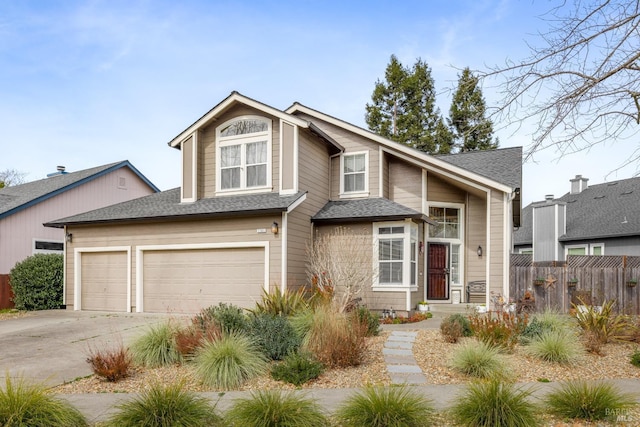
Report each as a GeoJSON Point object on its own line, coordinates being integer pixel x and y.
{"type": "Point", "coordinates": [167, 205]}
{"type": "Point", "coordinates": [600, 211]}
{"type": "Point", "coordinates": [503, 165]}
{"type": "Point", "coordinates": [18, 197]}
{"type": "Point", "coordinates": [366, 210]}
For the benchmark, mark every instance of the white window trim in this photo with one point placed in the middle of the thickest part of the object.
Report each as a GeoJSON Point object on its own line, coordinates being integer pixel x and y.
{"type": "Point", "coordinates": [354, 194]}
{"type": "Point", "coordinates": [45, 251]}
{"type": "Point", "coordinates": [584, 246]}
{"type": "Point", "coordinates": [406, 261]}
{"type": "Point", "coordinates": [243, 140]}
{"type": "Point", "coordinates": [459, 241]}
{"type": "Point", "coordinates": [592, 246]}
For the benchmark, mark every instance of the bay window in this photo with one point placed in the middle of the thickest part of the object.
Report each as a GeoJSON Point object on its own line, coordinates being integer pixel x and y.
{"type": "Point", "coordinates": [396, 254]}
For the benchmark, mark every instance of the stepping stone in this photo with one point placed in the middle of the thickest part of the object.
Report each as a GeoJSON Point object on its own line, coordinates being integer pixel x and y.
{"type": "Point", "coordinates": [398, 344]}
{"type": "Point", "coordinates": [408, 379]}
{"type": "Point", "coordinates": [404, 333]}
{"type": "Point", "coordinates": [399, 360]}
{"type": "Point", "coordinates": [404, 369]}
{"type": "Point", "coordinates": [396, 352]}
{"type": "Point", "coordinates": [401, 338]}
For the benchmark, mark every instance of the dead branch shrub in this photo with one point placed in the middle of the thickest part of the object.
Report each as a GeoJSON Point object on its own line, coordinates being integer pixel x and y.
{"type": "Point", "coordinates": [111, 364]}
{"type": "Point", "coordinates": [454, 327]}
{"type": "Point", "coordinates": [337, 340]}
{"type": "Point", "coordinates": [499, 329]}
{"type": "Point", "coordinates": [189, 338]}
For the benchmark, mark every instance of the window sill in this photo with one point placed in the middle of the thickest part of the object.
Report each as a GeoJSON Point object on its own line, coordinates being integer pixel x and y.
{"type": "Point", "coordinates": [354, 195]}
{"type": "Point", "coordinates": [238, 191]}
{"type": "Point", "coordinates": [394, 288]}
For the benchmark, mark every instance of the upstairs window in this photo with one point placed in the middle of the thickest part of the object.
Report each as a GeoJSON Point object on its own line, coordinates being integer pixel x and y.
{"type": "Point", "coordinates": [354, 173]}
{"type": "Point", "coordinates": [243, 154]}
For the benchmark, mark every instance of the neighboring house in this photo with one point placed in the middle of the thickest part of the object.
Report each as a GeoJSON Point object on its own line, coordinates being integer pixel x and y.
{"type": "Point", "coordinates": [258, 184]}
{"type": "Point", "coordinates": [26, 207]}
{"type": "Point", "coordinates": [589, 220]}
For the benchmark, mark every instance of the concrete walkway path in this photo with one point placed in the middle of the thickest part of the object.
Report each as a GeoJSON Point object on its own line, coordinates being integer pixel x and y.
{"type": "Point", "coordinates": [398, 355]}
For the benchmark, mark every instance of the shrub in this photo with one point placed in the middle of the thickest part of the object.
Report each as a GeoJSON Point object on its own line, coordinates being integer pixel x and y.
{"type": "Point", "coordinates": [370, 319]}
{"type": "Point", "coordinates": [37, 282]}
{"type": "Point", "coordinates": [477, 360]}
{"type": "Point", "coordinates": [302, 322]}
{"type": "Point", "coordinates": [556, 346]}
{"type": "Point", "coordinates": [111, 364]}
{"type": "Point", "coordinates": [273, 335]}
{"type": "Point", "coordinates": [157, 347]}
{"type": "Point", "coordinates": [499, 329]}
{"type": "Point", "coordinates": [635, 358]}
{"type": "Point", "coordinates": [297, 369]}
{"type": "Point", "coordinates": [280, 303]}
{"type": "Point", "coordinates": [336, 339]}
{"type": "Point", "coordinates": [454, 327]}
{"type": "Point", "coordinates": [229, 361]}
{"type": "Point", "coordinates": [165, 406]}
{"type": "Point", "coordinates": [589, 401]}
{"type": "Point", "coordinates": [22, 404]}
{"type": "Point", "coordinates": [274, 408]}
{"type": "Point", "coordinates": [543, 322]}
{"type": "Point", "coordinates": [602, 325]}
{"type": "Point", "coordinates": [494, 403]}
{"type": "Point", "coordinates": [386, 406]}
{"type": "Point", "coordinates": [228, 317]}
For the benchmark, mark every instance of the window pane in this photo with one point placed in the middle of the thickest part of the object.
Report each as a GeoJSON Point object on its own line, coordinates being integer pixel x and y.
{"type": "Point", "coordinates": [413, 251]}
{"type": "Point", "coordinates": [397, 249]}
{"type": "Point", "coordinates": [384, 250]}
{"type": "Point", "coordinates": [256, 152]}
{"type": "Point", "coordinates": [396, 272]}
{"type": "Point", "coordinates": [436, 230]}
{"type": "Point", "coordinates": [597, 250]}
{"type": "Point", "coordinates": [359, 182]}
{"type": "Point", "coordinates": [230, 178]}
{"type": "Point", "coordinates": [437, 214]}
{"type": "Point", "coordinates": [576, 251]}
{"type": "Point", "coordinates": [385, 272]}
{"type": "Point", "coordinates": [359, 162]}
{"type": "Point", "coordinates": [230, 156]}
{"type": "Point", "coordinates": [397, 230]}
{"type": "Point", "coordinates": [349, 183]}
{"type": "Point", "coordinates": [451, 231]}
{"type": "Point", "coordinates": [413, 273]}
{"type": "Point", "coordinates": [242, 127]}
{"type": "Point", "coordinates": [455, 263]}
{"type": "Point", "coordinates": [256, 176]}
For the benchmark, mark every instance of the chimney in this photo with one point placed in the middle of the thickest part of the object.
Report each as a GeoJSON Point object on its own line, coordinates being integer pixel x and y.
{"type": "Point", "coordinates": [60, 170]}
{"type": "Point", "coordinates": [548, 198]}
{"type": "Point", "coordinates": [578, 184]}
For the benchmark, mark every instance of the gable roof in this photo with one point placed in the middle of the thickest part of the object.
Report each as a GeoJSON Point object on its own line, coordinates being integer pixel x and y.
{"type": "Point", "coordinates": [600, 211]}
{"type": "Point", "coordinates": [366, 210]}
{"type": "Point", "coordinates": [511, 160]}
{"type": "Point", "coordinates": [493, 164]}
{"type": "Point", "coordinates": [18, 197]}
{"type": "Point", "coordinates": [167, 205]}
{"type": "Point", "coordinates": [236, 97]}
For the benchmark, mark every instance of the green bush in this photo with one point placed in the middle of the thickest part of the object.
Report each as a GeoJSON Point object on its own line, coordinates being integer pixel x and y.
{"type": "Point", "coordinates": [228, 317]}
{"type": "Point", "coordinates": [25, 405]}
{"type": "Point", "coordinates": [228, 362]}
{"type": "Point", "coordinates": [386, 406]}
{"type": "Point", "coordinates": [588, 400]}
{"type": "Point", "coordinates": [157, 347]}
{"type": "Point", "coordinates": [273, 334]}
{"type": "Point", "coordinates": [455, 326]}
{"type": "Point", "coordinates": [274, 408]}
{"type": "Point", "coordinates": [37, 282]}
{"type": "Point", "coordinates": [477, 359]}
{"type": "Point", "coordinates": [602, 325]}
{"type": "Point", "coordinates": [280, 303]}
{"type": "Point", "coordinates": [556, 346]}
{"type": "Point", "coordinates": [165, 406]}
{"type": "Point", "coordinates": [494, 403]}
{"type": "Point", "coordinates": [369, 318]}
{"type": "Point", "coordinates": [297, 369]}
{"type": "Point", "coordinates": [635, 358]}
{"type": "Point", "coordinates": [546, 321]}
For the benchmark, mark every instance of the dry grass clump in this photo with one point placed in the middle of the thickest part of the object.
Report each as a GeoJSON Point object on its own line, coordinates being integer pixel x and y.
{"type": "Point", "coordinates": [111, 364]}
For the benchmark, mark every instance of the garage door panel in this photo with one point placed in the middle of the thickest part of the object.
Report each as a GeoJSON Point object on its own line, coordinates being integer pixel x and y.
{"type": "Point", "coordinates": [185, 281]}
{"type": "Point", "coordinates": [104, 281]}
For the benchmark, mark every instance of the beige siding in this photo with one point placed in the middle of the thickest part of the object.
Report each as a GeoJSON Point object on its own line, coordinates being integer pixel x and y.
{"type": "Point", "coordinates": [207, 150]}
{"type": "Point", "coordinates": [187, 169]}
{"type": "Point", "coordinates": [171, 233]}
{"type": "Point", "coordinates": [405, 184]}
{"type": "Point", "coordinates": [438, 190]}
{"type": "Point", "coordinates": [352, 143]}
{"type": "Point", "coordinates": [476, 235]}
{"type": "Point", "coordinates": [313, 178]}
{"type": "Point", "coordinates": [288, 157]}
{"type": "Point", "coordinates": [385, 175]}
{"type": "Point", "coordinates": [19, 230]}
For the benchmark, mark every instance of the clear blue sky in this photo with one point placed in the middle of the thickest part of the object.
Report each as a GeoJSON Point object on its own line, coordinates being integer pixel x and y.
{"type": "Point", "coordinates": [88, 83]}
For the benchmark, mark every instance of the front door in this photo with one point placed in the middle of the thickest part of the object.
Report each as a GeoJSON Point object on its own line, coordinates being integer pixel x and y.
{"type": "Point", "coordinates": [438, 271]}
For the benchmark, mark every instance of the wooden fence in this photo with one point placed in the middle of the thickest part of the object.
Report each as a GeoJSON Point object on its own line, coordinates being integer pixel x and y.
{"type": "Point", "coordinates": [592, 279]}
{"type": "Point", "coordinates": [6, 295]}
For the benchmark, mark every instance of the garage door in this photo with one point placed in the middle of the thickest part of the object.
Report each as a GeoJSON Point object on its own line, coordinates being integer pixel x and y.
{"type": "Point", "coordinates": [104, 281]}
{"type": "Point", "coordinates": [185, 281]}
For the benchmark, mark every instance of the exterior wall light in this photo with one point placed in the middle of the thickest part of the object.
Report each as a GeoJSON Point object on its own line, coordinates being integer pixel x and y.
{"type": "Point", "coordinates": [479, 251]}
{"type": "Point", "coordinates": [274, 227]}
{"type": "Point", "coordinates": [69, 237]}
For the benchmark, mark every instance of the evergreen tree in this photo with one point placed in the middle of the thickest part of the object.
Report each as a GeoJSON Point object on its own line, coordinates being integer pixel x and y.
{"type": "Point", "coordinates": [403, 107]}
{"type": "Point", "coordinates": [472, 130]}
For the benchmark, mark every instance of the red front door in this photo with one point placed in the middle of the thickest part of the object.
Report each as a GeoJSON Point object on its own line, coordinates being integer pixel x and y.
{"type": "Point", "coordinates": [438, 271]}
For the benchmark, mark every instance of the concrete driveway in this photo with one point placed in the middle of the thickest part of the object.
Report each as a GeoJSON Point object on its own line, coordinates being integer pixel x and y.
{"type": "Point", "coordinates": [51, 346]}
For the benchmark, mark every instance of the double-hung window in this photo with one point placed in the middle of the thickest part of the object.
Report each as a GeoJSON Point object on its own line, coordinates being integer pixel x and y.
{"type": "Point", "coordinates": [354, 174]}
{"type": "Point", "coordinates": [396, 254]}
{"type": "Point", "coordinates": [243, 154]}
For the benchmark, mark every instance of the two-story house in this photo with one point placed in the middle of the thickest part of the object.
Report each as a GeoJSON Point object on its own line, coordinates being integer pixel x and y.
{"type": "Point", "coordinates": [259, 183]}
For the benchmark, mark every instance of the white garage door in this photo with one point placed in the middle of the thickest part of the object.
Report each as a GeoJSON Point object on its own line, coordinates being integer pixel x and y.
{"type": "Point", "coordinates": [185, 281]}
{"type": "Point", "coordinates": [104, 281]}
